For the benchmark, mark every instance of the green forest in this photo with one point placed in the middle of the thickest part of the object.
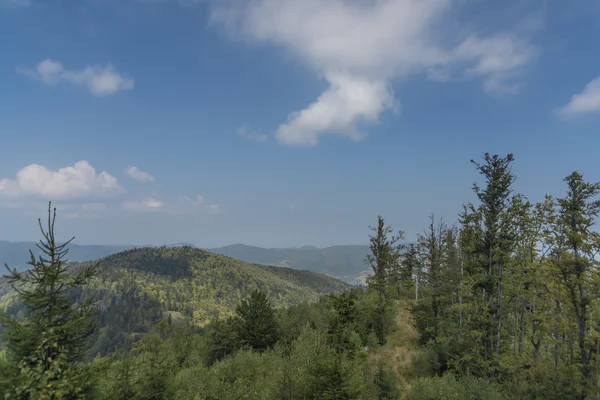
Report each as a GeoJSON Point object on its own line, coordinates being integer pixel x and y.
{"type": "Point", "coordinates": [503, 304]}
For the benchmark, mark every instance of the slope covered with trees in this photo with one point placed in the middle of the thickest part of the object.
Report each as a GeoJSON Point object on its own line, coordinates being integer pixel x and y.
{"type": "Point", "coordinates": [137, 288]}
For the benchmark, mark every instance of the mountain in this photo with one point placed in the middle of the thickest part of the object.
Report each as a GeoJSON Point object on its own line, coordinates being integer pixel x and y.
{"type": "Point", "coordinates": [139, 287]}
{"type": "Point", "coordinates": [16, 254]}
{"type": "Point", "coordinates": [344, 262]}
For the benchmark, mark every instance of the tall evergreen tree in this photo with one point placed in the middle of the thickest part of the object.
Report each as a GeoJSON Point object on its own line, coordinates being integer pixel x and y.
{"type": "Point", "coordinates": [341, 330]}
{"type": "Point", "coordinates": [385, 254]}
{"type": "Point", "coordinates": [495, 209]}
{"type": "Point", "coordinates": [410, 269]}
{"type": "Point", "coordinates": [431, 244]}
{"type": "Point", "coordinates": [577, 263]}
{"type": "Point", "coordinates": [257, 326]}
{"type": "Point", "coordinates": [48, 345]}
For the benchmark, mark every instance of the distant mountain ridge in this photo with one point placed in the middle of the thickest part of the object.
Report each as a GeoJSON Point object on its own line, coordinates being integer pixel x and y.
{"type": "Point", "coordinates": [346, 262]}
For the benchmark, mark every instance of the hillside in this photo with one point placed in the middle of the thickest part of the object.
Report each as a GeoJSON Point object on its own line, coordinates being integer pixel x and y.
{"type": "Point", "coordinates": [344, 262]}
{"type": "Point", "coordinates": [136, 288]}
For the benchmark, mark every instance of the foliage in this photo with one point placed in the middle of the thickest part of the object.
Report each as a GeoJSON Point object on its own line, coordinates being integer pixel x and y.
{"type": "Point", "coordinates": [47, 347]}
{"type": "Point", "coordinates": [450, 387]}
{"type": "Point", "coordinates": [509, 297]}
{"type": "Point", "coordinates": [384, 261]}
{"type": "Point", "coordinates": [256, 325]}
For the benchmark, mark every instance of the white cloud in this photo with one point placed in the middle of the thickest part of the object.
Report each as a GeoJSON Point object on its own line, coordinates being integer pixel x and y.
{"type": "Point", "coordinates": [360, 47]}
{"type": "Point", "coordinates": [349, 99]}
{"type": "Point", "coordinates": [139, 175]}
{"type": "Point", "coordinates": [79, 181]}
{"type": "Point", "coordinates": [143, 206]}
{"type": "Point", "coordinates": [246, 133]}
{"type": "Point", "coordinates": [587, 101]}
{"type": "Point", "coordinates": [100, 81]}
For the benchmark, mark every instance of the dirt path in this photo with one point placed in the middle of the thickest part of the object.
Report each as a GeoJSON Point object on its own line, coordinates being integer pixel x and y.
{"type": "Point", "coordinates": [401, 348]}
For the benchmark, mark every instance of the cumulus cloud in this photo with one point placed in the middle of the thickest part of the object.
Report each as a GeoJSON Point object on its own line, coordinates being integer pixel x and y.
{"type": "Point", "coordinates": [360, 47]}
{"type": "Point", "coordinates": [148, 204]}
{"type": "Point", "coordinates": [246, 133]}
{"type": "Point", "coordinates": [139, 175]}
{"type": "Point", "coordinates": [100, 81]}
{"type": "Point", "coordinates": [588, 101]}
{"type": "Point", "coordinates": [79, 181]}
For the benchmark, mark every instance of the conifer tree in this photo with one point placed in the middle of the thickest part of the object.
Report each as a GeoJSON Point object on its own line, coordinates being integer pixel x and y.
{"type": "Point", "coordinates": [341, 333]}
{"type": "Point", "coordinates": [48, 345]}
{"type": "Point", "coordinates": [334, 377]}
{"type": "Point", "coordinates": [495, 209]}
{"type": "Point", "coordinates": [577, 263]}
{"type": "Point", "coordinates": [257, 327]}
{"type": "Point", "coordinates": [385, 253]}
{"type": "Point", "coordinates": [223, 339]}
{"type": "Point", "coordinates": [431, 244]}
{"type": "Point", "coordinates": [410, 268]}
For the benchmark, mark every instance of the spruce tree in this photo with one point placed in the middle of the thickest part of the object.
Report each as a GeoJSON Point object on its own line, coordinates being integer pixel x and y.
{"type": "Point", "coordinates": [577, 262]}
{"type": "Point", "coordinates": [498, 240]}
{"type": "Point", "coordinates": [257, 327]}
{"type": "Point", "coordinates": [48, 345]}
{"type": "Point", "coordinates": [431, 244]}
{"type": "Point", "coordinates": [410, 268]}
{"type": "Point", "coordinates": [341, 333]}
{"type": "Point", "coordinates": [385, 254]}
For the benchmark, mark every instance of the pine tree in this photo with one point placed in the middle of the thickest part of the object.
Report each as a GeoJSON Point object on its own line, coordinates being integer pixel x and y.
{"type": "Point", "coordinates": [257, 327]}
{"type": "Point", "coordinates": [222, 339]}
{"type": "Point", "coordinates": [341, 334]}
{"type": "Point", "coordinates": [410, 269]}
{"type": "Point", "coordinates": [385, 253]}
{"type": "Point", "coordinates": [334, 377]}
{"type": "Point", "coordinates": [48, 345]}
{"type": "Point", "coordinates": [495, 210]}
{"type": "Point", "coordinates": [386, 382]}
{"type": "Point", "coordinates": [577, 263]}
{"type": "Point", "coordinates": [431, 244]}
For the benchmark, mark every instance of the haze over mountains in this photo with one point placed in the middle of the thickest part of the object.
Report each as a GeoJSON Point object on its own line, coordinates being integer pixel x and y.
{"type": "Point", "coordinates": [343, 262]}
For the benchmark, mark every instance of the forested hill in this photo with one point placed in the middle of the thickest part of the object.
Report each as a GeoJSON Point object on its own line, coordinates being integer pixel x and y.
{"type": "Point", "coordinates": [137, 288]}
{"type": "Point", "coordinates": [344, 262]}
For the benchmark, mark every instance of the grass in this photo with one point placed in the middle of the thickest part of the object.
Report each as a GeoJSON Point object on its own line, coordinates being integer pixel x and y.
{"type": "Point", "coordinates": [402, 349]}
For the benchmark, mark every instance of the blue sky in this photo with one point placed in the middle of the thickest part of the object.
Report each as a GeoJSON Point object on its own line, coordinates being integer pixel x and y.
{"type": "Point", "coordinates": [284, 123]}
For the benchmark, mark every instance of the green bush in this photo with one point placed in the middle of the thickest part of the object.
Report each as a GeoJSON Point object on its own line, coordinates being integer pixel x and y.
{"type": "Point", "coordinates": [449, 387]}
